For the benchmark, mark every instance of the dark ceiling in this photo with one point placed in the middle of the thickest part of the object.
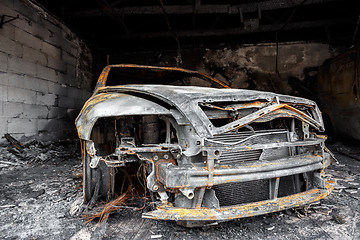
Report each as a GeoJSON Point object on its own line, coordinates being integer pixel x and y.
{"type": "Point", "coordinates": [114, 26]}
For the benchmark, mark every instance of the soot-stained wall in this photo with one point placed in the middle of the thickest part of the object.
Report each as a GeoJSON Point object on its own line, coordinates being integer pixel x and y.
{"type": "Point", "coordinates": [245, 66]}
{"type": "Point", "coordinates": [45, 73]}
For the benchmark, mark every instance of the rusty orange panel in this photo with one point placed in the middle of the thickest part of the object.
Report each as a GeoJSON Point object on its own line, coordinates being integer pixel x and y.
{"type": "Point", "coordinates": [243, 210]}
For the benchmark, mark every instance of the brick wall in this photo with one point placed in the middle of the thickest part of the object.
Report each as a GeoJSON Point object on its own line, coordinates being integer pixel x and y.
{"type": "Point", "coordinates": [45, 73]}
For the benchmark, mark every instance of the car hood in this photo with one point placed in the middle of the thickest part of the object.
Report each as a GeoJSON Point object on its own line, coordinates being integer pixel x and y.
{"type": "Point", "coordinates": [183, 100]}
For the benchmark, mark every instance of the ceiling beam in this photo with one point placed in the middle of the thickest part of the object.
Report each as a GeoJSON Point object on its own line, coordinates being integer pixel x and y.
{"type": "Point", "coordinates": [201, 9]}
{"type": "Point", "coordinates": [239, 31]}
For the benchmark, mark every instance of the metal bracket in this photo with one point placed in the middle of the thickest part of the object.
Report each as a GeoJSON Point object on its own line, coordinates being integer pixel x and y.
{"type": "Point", "coordinates": [274, 187]}
{"type": "Point", "coordinates": [199, 196]}
{"type": "Point", "coordinates": [94, 161]}
{"type": "Point", "coordinates": [2, 19]}
{"type": "Point", "coordinates": [305, 128]}
{"type": "Point", "coordinates": [210, 166]}
{"type": "Point", "coordinates": [318, 180]}
{"type": "Point", "coordinates": [163, 197]}
{"type": "Point", "coordinates": [151, 179]}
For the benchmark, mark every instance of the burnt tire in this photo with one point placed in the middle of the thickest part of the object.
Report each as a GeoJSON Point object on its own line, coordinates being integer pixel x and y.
{"type": "Point", "coordinates": [98, 183]}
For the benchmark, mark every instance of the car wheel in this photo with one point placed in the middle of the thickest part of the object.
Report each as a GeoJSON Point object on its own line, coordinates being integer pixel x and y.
{"type": "Point", "coordinates": [98, 183]}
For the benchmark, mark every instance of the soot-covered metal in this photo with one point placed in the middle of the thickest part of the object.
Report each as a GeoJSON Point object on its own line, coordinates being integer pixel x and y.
{"type": "Point", "coordinates": [207, 154]}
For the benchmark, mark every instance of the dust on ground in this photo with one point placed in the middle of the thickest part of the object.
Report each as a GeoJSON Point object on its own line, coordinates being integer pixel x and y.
{"type": "Point", "coordinates": [40, 190]}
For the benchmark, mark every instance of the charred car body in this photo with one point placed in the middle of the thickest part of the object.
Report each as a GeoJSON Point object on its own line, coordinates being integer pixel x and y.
{"type": "Point", "coordinates": [210, 154]}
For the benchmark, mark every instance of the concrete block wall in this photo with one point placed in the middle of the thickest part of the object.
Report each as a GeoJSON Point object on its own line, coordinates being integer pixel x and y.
{"type": "Point", "coordinates": [45, 74]}
{"type": "Point", "coordinates": [250, 66]}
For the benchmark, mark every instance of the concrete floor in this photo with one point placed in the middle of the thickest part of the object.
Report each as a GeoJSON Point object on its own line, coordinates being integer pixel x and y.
{"type": "Point", "coordinates": [36, 197]}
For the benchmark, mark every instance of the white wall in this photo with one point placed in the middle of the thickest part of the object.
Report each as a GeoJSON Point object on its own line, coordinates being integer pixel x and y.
{"type": "Point", "coordinates": [45, 73]}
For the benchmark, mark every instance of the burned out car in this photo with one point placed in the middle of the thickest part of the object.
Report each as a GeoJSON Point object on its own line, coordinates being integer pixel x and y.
{"type": "Point", "coordinates": [207, 154]}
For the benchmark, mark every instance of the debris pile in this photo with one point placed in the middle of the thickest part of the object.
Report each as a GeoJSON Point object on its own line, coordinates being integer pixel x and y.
{"type": "Point", "coordinates": [134, 196]}
{"type": "Point", "coordinates": [38, 183]}
{"type": "Point", "coordinates": [35, 200]}
{"type": "Point", "coordinates": [35, 151]}
{"type": "Point", "coordinates": [346, 174]}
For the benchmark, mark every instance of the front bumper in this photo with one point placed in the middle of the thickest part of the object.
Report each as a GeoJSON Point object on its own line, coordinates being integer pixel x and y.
{"type": "Point", "coordinates": [195, 176]}
{"type": "Point", "coordinates": [240, 211]}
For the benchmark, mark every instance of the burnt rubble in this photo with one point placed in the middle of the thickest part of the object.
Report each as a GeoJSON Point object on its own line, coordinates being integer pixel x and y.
{"type": "Point", "coordinates": [41, 199]}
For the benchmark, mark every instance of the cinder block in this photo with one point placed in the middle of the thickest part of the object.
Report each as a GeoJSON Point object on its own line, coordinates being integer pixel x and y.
{"type": "Point", "coordinates": [36, 84]}
{"type": "Point", "coordinates": [3, 125]}
{"type": "Point", "coordinates": [59, 89]}
{"type": "Point", "coordinates": [21, 95]}
{"type": "Point", "coordinates": [45, 99]}
{"type": "Point", "coordinates": [18, 50]}
{"type": "Point", "coordinates": [62, 113]}
{"type": "Point", "coordinates": [53, 113]}
{"type": "Point", "coordinates": [51, 86]}
{"type": "Point", "coordinates": [13, 110]}
{"type": "Point", "coordinates": [71, 70]}
{"type": "Point", "coordinates": [30, 54]}
{"type": "Point", "coordinates": [7, 45]}
{"type": "Point", "coordinates": [27, 39]}
{"type": "Point", "coordinates": [34, 56]}
{"type": "Point", "coordinates": [46, 73]}
{"type": "Point", "coordinates": [25, 24]}
{"type": "Point", "coordinates": [8, 30]}
{"type": "Point", "coordinates": [2, 105]}
{"type": "Point", "coordinates": [50, 37]}
{"type": "Point", "coordinates": [71, 48]}
{"type": "Point", "coordinates": [18, 65]}
{"type": "Point", "coordinates": [3, 61]}
{"type": "Point", "coordinates": [67, 79]}
{"type": "Point", "coordinates": [4, 79]}
{"type": "Point", "coordinates": [69, 59]}
{"type": "Point", "coordinates": [41, 30]}
{"type": "Point", "coordinates": [55, 28]}
{"type": "Point", "coordinates": [56, 64]}
{"type": "Point", "coordinates": [74, 92]}
{"type": "Point", "coordinates": [63, 90]}
{"type": "Point", "coordinates": [35, 111]}
{"type": "Point", "coordinates": [51, 50]}
{"type": "Point", "coordinates": [21, 125]}
{"type": "Point", "coordinates": [66, 102]}
{"type": "Point", "coordinates": [3, 92]}
{"type": "Point", "coordinates": [45, 125]}
{"type": "Point", "coordinates": [7, 7]}
{"type": "Point", "coordinates": [16, 80]}
{"type": "Point", "coordinates": [26, 11]}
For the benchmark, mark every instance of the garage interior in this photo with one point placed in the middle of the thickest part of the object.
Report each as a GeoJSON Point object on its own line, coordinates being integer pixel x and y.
{"type": "Point", "coordinates": [52, 52]}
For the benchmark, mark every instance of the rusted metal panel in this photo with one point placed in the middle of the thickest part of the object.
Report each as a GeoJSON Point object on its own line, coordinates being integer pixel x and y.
{"type": "Point", "coordinates": [104, 74]}
{"type": "Point", "coordinates": [245, 210]}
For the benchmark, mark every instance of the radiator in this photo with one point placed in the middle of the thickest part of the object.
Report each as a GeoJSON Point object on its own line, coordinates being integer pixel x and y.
{"type": "Point", "coordinates": [242, 192]}
{"type": "Point", "coordinates": [246, 192]}
{"type": "Point", "coordinates": [249, 137]}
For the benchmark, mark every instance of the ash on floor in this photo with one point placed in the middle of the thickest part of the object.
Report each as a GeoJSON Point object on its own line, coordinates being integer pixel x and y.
{"type": "Point", "coordinates": [39, 186]}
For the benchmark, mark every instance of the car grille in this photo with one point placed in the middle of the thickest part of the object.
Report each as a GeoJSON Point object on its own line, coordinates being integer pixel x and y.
{"type": "Point", "coordinates": [263, 136]}
{"type": "Point", "coordinates": [241, 156]}
{"type": "Point", "coordinates": [238, 136]}
{"type": "Point", "coordinates": [253, 191]}
{"type": "Point", "coordinates": [242, 192]}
